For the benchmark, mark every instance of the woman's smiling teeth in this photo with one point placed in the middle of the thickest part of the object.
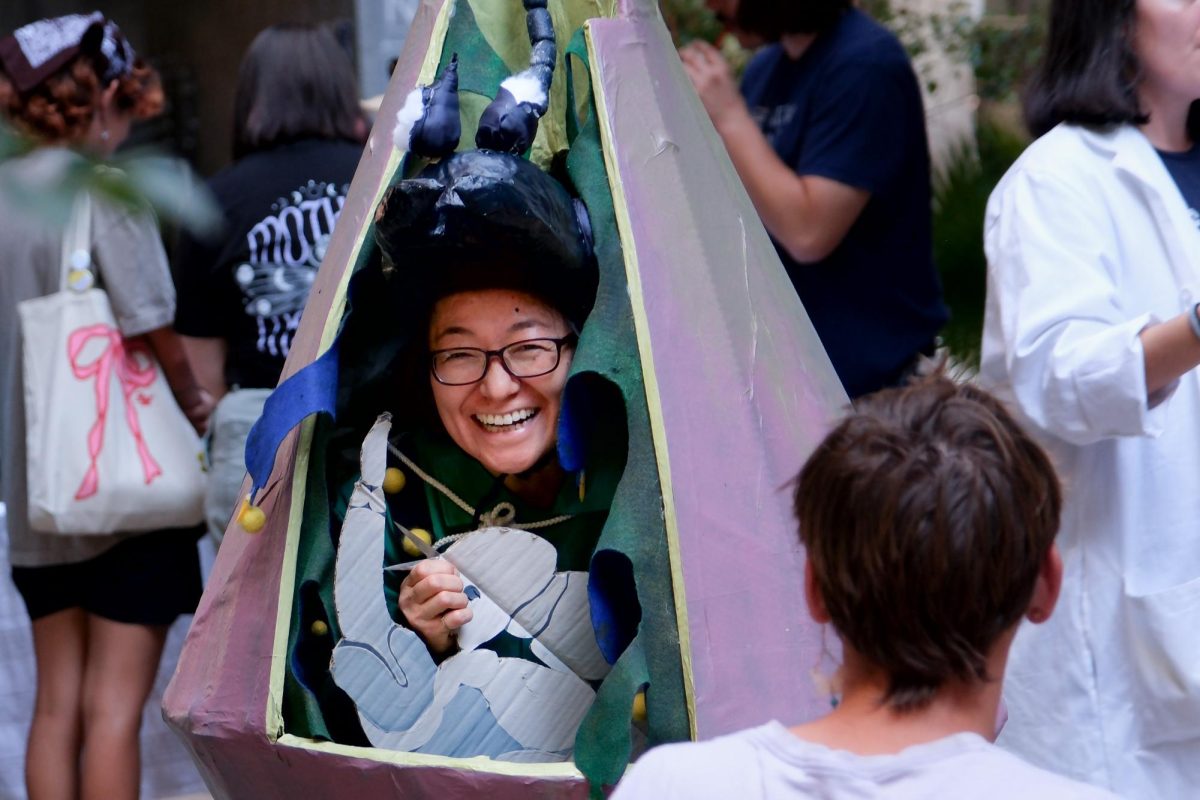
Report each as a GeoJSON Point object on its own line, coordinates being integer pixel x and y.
{"type": "Point", "coordinates": [500, 422]}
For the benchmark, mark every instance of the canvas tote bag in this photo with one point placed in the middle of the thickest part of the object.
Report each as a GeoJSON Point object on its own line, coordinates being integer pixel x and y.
{"type": "Point", "coordinates": [108, 449]}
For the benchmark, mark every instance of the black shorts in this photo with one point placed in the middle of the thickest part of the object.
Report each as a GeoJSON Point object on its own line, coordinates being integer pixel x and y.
{"type": "Point", "coordinates": [148, 579]}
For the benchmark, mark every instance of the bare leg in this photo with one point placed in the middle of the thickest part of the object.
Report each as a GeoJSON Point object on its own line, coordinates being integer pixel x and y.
{"type": "Point", "coordinates": [122, 661]}
{"type": "Point", "coordinates": [52, 755]}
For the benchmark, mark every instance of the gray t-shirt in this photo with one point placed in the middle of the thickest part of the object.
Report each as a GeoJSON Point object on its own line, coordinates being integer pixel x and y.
{"type": "Point", "coordinates": [770, 762]}
{"type": "Point", "coordinates": [130, 265]}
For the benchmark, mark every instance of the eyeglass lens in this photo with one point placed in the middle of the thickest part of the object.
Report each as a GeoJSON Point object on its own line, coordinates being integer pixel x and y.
{"type": "Point", "coordinates": [525, 359]}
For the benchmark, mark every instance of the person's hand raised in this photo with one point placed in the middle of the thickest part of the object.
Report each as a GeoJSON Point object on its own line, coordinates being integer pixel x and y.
{"type": "Point", "coordinates": [713, 79]}
{"type": "Point", "coordinates": [434, 603]}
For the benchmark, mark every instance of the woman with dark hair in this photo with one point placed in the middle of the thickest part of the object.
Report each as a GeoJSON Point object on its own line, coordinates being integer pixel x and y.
{"type": "Point", "coordinates": [298, 135]}
{"type": "Point", "coordinates": [1092, 330]}
{"type": "Point", "coordinates": [100, 605]}
{"type": "Point", "coordinates": [296, 82]}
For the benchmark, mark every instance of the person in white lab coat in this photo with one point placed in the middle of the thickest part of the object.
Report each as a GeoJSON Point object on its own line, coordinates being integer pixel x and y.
{"type": "Point", "coordinates": [1091, 330]}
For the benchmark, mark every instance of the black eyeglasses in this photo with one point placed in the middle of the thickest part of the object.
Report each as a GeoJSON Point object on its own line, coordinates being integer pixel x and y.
{"type": "Point", "coordinates": [529, 358]}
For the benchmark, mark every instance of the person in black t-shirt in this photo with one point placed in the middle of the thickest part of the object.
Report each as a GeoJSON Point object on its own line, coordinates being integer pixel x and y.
{"type": "Point", "coordinates": [298, 136]}
{"type": "Point", "coordinates": [830, 143]}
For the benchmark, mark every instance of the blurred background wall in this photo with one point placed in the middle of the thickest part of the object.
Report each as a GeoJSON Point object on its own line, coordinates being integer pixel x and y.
{"type": "Point", "coordinates": [197, 47]}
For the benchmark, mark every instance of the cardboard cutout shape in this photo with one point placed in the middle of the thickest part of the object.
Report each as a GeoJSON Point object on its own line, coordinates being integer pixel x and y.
{"type": "Point", "coordinates": [474, 703]}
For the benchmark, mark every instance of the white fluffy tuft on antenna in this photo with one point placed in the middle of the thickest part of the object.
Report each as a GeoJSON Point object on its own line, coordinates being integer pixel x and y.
{"type": "Point", "coordinates": [525, 88]}
{"type": "Point", "coordinates": [407, 117]}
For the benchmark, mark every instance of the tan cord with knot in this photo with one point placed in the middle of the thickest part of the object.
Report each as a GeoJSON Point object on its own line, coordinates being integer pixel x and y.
{"type": "Point", "coordinates": [501, 516]}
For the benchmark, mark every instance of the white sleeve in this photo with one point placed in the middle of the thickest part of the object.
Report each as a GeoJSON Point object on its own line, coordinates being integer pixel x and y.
{"type": "Point", "coordinates": [1056, 329]}
{"type": "Point", "coordinates": [646, 779]}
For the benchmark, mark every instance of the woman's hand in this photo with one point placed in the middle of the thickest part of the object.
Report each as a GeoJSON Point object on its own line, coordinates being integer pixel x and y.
{"type": "Point", "coordinates": [1170, 350]}
{"type": "Point", "coordinates": [196, 402]}
{"type": "Point", "coordinates": [197, 405]}
{"type": "Point", "coordinates": [433, 602]}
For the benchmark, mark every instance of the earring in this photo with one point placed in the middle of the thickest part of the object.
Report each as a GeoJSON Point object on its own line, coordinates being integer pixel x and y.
{"type": "Point", "coordinates": [826, 673]}
{"type": "Point", "coordinates": [104, 135]}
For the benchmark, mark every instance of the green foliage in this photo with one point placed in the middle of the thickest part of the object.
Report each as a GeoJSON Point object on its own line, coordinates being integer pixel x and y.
{"type": "Point", "coordinates": [946, 31]}
{"type": "Point", "coordinates": [135, 179]}
{"type": "Point", "coordinates": [1004, 52]}
{"type": "Point", "coordinates": [689, 20]}
{"type": "Point", "coordinates": [960, 198]}
{"type": "Point", "coordinates": [11, 145]}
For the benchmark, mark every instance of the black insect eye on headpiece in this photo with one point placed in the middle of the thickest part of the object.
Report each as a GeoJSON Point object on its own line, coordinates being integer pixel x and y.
{"type": "Point", "coordinates": [487, 218]}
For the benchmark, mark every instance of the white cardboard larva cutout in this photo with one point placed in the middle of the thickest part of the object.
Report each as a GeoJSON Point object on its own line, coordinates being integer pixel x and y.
{"type": "Point", "coordinates": [475, 702]}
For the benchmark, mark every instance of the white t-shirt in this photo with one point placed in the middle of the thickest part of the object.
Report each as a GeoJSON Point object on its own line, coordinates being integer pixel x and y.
{"type": "Point", "coordinates": [770, 762]}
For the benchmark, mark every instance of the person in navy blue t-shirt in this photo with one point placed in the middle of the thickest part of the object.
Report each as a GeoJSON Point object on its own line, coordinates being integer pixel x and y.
{"type": "Point", "coordinates": [828, 136]}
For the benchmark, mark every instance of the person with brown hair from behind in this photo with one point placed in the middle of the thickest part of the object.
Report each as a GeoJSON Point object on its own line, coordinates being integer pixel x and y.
{"type": "Point", "coordinates": [929, 519]}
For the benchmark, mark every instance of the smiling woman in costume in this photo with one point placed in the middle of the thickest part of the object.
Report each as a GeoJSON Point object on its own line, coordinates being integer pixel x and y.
{"type": "Point", "coordinates": [498, 397]}
{"type": "Point", "coordinates": [499, 321]}
{"type": "Point", "coordinates": [500, 471]}
{"type": "Point", "coordinates": [487, 258]}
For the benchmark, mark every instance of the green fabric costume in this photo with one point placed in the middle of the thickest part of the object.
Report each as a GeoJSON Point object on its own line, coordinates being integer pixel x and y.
{"type": "Point", "coordinates": [605, 395]}
{"type": "Point", "coordinates": [425, 505]}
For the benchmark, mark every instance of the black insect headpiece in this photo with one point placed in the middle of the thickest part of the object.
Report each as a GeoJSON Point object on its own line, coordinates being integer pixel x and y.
{"type": "Point", "coordinates": [487, 218]}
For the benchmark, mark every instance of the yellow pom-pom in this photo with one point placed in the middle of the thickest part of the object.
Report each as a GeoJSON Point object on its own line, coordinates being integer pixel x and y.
{"type": "Point", "coordinates": [80, 280]}
{"type": "Point", "coordinates": [319, 628]}
{"type": "Point", "coordinates": [251, 518]}
{"type": "Point", "coordinates": [410, 548]}
{"type": "Point", "coordinates": [639, 707]}
{"type": "Point", "coordinates": [394, 480]}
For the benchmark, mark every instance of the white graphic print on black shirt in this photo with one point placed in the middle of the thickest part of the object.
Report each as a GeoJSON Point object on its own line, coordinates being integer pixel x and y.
{"type": "Point", "coordinates": [286, 248]}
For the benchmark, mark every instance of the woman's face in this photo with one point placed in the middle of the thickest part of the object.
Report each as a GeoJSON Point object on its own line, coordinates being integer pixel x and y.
{"type": "Point", "coordinates": [505, 423]}
{"type": "Point", "coordinates": [1167, 44]}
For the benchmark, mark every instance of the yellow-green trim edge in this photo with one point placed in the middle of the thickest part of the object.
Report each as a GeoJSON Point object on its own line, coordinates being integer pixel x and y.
{"type": "Point", "coordinates": [658, 432]}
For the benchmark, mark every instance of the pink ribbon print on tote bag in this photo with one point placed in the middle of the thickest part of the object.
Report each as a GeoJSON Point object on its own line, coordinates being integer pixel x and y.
{"type": "Point", "coordinates": [135, 370]}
